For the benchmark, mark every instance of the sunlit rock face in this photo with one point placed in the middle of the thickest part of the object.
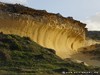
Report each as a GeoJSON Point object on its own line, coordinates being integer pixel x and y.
{"type": "Point", "coordinates": [64, 35]}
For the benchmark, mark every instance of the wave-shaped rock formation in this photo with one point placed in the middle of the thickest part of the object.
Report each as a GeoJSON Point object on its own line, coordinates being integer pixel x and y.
{"type": "Point", "coordinates": [65, 35]}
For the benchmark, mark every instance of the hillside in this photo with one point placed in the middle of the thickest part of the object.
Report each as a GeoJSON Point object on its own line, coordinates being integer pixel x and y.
{"type": "Point", "coordinates": [20, 55]}
{"type": "Point", "coordinates": [37, 42]}
{"type": "Point", "coordinates": [94, 35]}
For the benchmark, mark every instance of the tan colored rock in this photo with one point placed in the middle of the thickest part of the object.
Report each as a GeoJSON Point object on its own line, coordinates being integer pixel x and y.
{"type": "Point", "coordinates": [65, 35]}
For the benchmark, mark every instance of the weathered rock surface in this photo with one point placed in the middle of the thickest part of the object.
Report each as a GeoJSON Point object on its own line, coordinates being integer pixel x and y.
{"type": "Point", "coordinates": [65, 35]}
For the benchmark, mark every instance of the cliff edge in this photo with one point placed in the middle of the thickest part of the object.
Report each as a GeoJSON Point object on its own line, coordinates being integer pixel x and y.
{"type": "Point", "coordinates": [64, 35]}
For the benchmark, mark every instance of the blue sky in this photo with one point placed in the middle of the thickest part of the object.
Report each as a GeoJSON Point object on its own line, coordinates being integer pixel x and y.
{"type": "Point", "coordinates": [87, 11]}
{"type": "Point", "coordinates": [79, 9]}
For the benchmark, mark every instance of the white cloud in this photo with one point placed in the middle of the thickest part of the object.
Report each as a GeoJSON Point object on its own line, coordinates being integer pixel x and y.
{"type": "Point", "coordinates": [15, 1]}
{"type": "Point", "coordinates": [93, 22]}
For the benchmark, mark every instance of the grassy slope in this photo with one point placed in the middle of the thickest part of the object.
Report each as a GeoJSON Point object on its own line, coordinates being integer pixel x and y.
{"type": "Point", "coordinates": [21, 55]}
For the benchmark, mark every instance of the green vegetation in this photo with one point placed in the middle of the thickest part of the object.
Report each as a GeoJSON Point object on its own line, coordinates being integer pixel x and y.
{"type": "Point", "coordinates": [94, 35]}
{"type": "Point", "coordinates": [20, 55]}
